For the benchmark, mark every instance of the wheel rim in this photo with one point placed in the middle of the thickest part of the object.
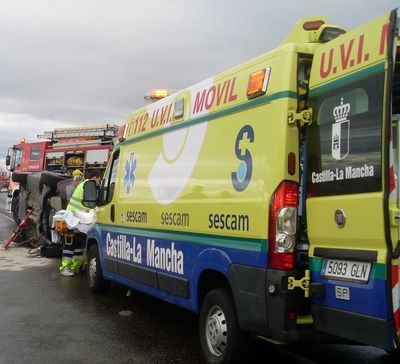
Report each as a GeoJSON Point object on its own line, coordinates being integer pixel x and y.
{"type": "Point", "coordinates": [216, 331]}
{"type": "Point", "coordinates": [92, 271]}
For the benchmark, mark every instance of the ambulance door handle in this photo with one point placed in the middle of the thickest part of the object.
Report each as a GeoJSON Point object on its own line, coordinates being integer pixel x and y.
{"type": "Point", "coordinates": [112, 213]}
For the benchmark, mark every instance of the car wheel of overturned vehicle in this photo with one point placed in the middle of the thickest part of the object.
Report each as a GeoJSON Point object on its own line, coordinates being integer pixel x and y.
{"type": "Point", "coordinates": [52, 179]}
{"type": "Point", "coordinates": [218, 328]}
{"type": "Point", "coordinates": [19, 177]}
{"type": "Point", "coordinates": [94, 274]}
{"type": "Point", "coordinates": [14, 208]}
{"type": "Point", "coordinates": [47, 220]}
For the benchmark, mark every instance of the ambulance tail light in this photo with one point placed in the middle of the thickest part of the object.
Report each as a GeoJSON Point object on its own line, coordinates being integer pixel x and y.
{"type": "Point", "coordinates": [283, 226]}
{"type": "Point", "coordinates": [392, 179]}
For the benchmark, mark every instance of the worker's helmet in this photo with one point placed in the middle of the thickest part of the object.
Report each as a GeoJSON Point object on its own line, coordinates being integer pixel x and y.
{"type": "Point", "coordinates": [76, 173]}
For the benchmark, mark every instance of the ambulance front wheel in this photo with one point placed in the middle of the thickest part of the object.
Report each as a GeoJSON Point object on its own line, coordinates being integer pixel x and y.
{"type": "Point", "coordinates": [218, 328]}
{"type": "Point", "coordinates": [96, 281]}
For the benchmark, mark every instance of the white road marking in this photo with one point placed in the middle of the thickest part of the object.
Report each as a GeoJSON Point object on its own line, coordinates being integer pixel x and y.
{"type": "Point", "coordinates": [7, 217]}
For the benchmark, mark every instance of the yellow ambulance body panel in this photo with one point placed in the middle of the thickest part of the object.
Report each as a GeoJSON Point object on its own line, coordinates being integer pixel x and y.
{"type": "Point", "coordinates": [184, 166]}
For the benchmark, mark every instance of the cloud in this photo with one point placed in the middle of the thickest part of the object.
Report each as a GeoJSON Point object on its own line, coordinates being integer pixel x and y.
{"type": "Point", "coordinates": [69, 63]}
{"type": "Point", "coordinates": [16, 126]}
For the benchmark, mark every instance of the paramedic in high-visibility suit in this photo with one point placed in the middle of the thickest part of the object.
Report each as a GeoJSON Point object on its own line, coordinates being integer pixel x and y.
{"type": "Point", "coordinates": [72, 254]}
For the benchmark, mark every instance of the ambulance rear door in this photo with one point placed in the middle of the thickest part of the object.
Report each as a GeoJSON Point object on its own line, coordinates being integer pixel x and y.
{"type": "Point", "coordinates": [354, 270]}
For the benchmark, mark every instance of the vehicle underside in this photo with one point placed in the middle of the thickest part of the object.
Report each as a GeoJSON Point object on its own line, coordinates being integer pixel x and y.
{"type": "Point", "coordinates": [42, 194]}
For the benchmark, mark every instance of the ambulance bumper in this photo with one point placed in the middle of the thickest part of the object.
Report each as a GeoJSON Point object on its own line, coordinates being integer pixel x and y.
{"type": "Point", "coordinates": [284, 306]}
{"type": "Point", "coordinates": [264, 313]}
{"type": "Point", "coordinates": [352, 326]}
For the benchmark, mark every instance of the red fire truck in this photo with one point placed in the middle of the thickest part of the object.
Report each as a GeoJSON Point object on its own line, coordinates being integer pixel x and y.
{"type": "Point", "coordinates": [60, 151]}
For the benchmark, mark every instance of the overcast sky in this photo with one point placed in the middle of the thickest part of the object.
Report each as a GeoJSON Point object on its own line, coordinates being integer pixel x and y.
{"type": "Point", "coordinates": [66, 62]}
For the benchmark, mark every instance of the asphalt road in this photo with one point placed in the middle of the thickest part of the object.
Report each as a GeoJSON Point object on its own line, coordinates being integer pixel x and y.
{"type": "Point", "coordinates": [46, 318]}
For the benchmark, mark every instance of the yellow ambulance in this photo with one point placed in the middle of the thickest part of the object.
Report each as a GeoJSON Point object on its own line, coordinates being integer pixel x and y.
{"type": "Point", "coordinates": [265, 198]}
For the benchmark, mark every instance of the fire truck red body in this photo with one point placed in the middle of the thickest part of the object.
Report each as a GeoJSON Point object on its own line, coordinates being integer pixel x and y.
{"type": "Point", "coordinates": [19, 160]}
{"type": "Point", "coordinates": [29, 157]}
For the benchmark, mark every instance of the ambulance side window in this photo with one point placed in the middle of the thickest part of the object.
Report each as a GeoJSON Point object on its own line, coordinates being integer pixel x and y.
{"type": "Point", "coordinates": [344, 142]}
{"type": "Point", "coordinates": [113, 177]}
{"type": "Point", "coordinates": [108, 184]}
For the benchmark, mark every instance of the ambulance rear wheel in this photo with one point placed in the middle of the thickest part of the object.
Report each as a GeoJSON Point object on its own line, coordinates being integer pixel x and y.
{"type": "Point", "coordinates": [96, 281]}
{"type": "Point", "coordinates": [218, 328]}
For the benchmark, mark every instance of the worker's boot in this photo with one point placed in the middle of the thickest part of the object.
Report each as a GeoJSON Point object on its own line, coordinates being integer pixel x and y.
{"type": "Point", "coordinates": [77, 265]}
{"type": "Point", "coordinates": [67, 272]}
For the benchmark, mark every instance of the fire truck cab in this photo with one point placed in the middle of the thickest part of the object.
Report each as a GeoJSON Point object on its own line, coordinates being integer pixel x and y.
{"type": "Point", "coordinates": [26, 157]}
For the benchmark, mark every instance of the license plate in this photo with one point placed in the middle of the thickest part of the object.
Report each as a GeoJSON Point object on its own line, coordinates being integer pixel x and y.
{"type": "Point", "coordinates": [346, 270]}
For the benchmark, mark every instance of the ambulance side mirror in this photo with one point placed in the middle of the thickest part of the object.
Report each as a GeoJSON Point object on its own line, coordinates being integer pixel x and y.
{"type": "Point", "coordinates": [89, 194]}
{"type": "Point", "coordinates": [8, 160]}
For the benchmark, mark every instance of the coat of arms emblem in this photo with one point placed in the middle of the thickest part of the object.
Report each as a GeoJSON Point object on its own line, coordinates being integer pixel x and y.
{"type": "Point", "coordinates": [341, 131]}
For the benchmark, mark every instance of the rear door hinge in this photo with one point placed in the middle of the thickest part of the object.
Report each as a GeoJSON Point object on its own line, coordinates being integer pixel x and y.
{"type": "Point", "coordinates": [303, 283]}
{"type": "Point", "coordinates": [302, 118]}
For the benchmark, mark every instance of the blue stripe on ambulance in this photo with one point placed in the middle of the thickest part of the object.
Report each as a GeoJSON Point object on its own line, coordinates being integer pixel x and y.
{"type": "Point", "coordinates": [197, 257]}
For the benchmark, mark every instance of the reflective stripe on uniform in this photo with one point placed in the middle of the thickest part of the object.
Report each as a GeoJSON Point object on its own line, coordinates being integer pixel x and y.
{"type": "Point", "coordinates": [75, 207]}
{"type": "Point", "coordinates": [76, 263]}
{"type": "Point", "coordinates": [65, 262]}
{"type": "Point", "coordinates": [75, 203]}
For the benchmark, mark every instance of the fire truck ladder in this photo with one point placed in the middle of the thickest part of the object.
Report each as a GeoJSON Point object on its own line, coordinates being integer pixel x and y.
{"type": "Point", "coordinates": [105, 131]}
{"type": "Point", "coordinates": [17, 230]}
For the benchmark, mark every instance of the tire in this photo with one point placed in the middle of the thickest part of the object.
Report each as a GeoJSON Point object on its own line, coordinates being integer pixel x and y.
{"type": "Point", "coordinates": [47, 219]}
{"type": "Point", "coordinates": [51, 179]}
{"type": "Point", "coordinates": [218, 328]}
{"type": "Point", "coordinates": [14, 208]}
{"type": "Point", "coordinates": [95, 278]}
{"type": "Point", "coordinates": [19, 177]}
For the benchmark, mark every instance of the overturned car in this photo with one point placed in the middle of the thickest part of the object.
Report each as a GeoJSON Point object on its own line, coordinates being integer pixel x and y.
{"type": "Point", "coordinates": [43, 193]}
